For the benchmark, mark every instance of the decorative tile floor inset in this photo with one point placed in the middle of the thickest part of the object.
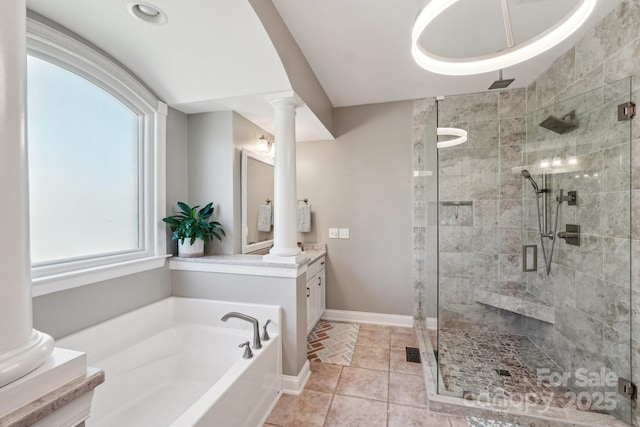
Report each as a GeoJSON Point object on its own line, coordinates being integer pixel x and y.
{"type": "Point", "coordinates": [332, 342]}
{"type": "Point", "coordinates": [471, 363]}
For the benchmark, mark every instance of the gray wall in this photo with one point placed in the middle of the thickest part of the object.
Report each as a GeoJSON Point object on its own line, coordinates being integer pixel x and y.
{"type": "Point", "coordinates": [215, 145]}
{"type": "Point", "coordinates": [362, 180]}
{"type": "Point", "coordinates": [65, 312]}
{"type": "Point", "coordinates": [177, 170]}
{"type": "Point", "coordinates": [211, 172]}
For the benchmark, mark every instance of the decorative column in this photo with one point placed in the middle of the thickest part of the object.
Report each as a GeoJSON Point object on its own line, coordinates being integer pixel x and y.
{"type": "Point", "coordinates": [22, 349]}
{"type": "Point", "coordinates": [285, 245]}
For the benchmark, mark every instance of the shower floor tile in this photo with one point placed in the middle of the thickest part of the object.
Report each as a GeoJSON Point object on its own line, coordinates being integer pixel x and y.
{"type": "Point", "coordinates": [485, 365]}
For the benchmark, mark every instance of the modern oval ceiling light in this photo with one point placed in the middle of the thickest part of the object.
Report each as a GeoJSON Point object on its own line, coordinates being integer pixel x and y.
{"type": "Point", "coordinates": [460, 134]}
{"type": "Point", "coordinates": [513, 54]}
{"type": "Point", "coordinates": [148, 13]}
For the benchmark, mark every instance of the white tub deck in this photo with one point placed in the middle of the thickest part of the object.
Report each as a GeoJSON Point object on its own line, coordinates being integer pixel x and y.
{"type": "Point", "coordinates": [174, 363]}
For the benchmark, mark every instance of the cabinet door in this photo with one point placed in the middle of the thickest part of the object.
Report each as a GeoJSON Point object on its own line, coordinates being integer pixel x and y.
{"type": "Point", "coordinates": [321, 297]}
{"type": "Point", "coordinates": [311, 304]}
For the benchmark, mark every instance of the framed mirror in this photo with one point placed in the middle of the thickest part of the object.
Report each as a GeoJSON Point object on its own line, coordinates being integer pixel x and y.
{"type": "Point", "coordinates": [257, 201]}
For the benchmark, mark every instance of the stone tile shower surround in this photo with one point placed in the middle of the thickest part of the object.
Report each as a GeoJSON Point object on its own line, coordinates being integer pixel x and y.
{"type": "Point", "coordinates": [481, 247]}
{"type": "Point", "coordinates": [589, 298]}
{"type": "Point", "coordinates": [589, 285]}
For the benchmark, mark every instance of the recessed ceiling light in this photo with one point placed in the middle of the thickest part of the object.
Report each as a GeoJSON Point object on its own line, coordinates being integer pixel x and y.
{"type": "Point", "coordinates": [495, 61]}
{"type": "Point", "coordinates": [147, 12]}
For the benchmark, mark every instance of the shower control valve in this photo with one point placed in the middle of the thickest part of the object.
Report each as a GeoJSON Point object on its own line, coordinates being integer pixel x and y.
{"type": "Point", "coordinates": [571, 198]}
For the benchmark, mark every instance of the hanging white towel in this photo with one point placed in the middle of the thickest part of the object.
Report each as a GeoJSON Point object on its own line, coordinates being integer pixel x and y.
{"type": "Point", "coordinates": [264, 218]}
{"type": "Point", "coordinates": [304, 218]}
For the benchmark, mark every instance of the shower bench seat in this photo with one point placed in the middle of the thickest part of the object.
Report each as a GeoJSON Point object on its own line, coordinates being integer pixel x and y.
{"type": "Point", "coordinates": [517, 301]}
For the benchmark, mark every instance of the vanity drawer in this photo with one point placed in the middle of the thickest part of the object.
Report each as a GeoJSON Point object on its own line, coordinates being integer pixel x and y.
{"type": "Point", "coordinates": [312, 269]}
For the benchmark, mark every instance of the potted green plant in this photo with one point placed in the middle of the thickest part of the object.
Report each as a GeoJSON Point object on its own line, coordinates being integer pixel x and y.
{"type": "Point", "coordinates": [192, 229]}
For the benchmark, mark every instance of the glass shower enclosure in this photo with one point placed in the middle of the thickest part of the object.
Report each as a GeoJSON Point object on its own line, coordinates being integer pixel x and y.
{"type": "Point", "coordinates": [532, 251]}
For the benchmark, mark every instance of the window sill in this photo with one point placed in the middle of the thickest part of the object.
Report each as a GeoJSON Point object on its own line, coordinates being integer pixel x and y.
{"type": "Point", "coordinates": [74, 279]}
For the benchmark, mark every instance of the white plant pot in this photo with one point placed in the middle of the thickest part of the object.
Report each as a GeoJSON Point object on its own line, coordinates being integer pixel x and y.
{"type": "Point", "coordinates": [187, 250]}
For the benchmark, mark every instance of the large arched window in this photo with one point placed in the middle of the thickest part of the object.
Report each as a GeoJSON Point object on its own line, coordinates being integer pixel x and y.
{"type": "Point", "coordinates": [96, 142]}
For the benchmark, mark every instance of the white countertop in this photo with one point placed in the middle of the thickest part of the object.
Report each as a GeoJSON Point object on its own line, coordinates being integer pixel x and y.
{"type": "Point", "coordinates": [245, 264]}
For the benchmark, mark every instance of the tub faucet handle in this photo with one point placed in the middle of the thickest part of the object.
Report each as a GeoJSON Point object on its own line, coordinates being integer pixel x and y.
{"type": "Point", "coordinates": [247, 350]}
{"type": "Point", "coordinates": [265, 334]}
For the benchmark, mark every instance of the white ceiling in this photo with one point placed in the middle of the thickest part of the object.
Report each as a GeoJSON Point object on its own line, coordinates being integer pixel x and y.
{"type": "Point", "coordinates": [215, 55]}
{"type": "Point", "coordinates": [360, 49]}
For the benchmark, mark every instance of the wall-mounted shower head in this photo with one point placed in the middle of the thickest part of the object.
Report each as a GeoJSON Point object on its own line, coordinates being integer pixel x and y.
{"type": "Point", "coordinates": [562, 124]}
{"type": "Point", "coordinates": [525, 173]}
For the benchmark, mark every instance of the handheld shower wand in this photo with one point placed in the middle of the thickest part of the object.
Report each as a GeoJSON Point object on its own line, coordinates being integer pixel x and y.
{"type": "Point", "coordinates": [525, 173]}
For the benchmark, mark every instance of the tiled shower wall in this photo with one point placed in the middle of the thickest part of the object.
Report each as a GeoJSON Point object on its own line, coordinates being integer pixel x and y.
{"type": "Point", "coordinates": [608, 53]}
{"type": "Point", "coordinates": [588, 286]}
{"type": "Point", "coordinates": [480, 243]}
{"type": "Point", "coordinates": [592, 302]}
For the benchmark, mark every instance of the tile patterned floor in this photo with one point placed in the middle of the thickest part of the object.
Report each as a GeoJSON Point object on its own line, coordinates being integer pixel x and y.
{"type": "Point", "coordinates": [332, 342]}
{"type": "Point", "coordinates": [378, 388]}
{"type": "Point", "coordinates": [468, 362]}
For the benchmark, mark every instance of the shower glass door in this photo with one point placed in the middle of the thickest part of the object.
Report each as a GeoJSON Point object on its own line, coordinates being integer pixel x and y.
{"type": "Point", "coordinates": [576, 305]}
{"type": "Point", "coordinates": [546, 191]}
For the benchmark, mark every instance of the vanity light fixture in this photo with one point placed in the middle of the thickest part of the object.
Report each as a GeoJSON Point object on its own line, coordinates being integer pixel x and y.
{"type": "Point", "coordinates": [265, 144]}
{"type": "Point", "coordinates": [147, 12]}
{"type": "Point", "coordinates": [460, 134]}
{"type": "Point", "coordinates": [511, 55]}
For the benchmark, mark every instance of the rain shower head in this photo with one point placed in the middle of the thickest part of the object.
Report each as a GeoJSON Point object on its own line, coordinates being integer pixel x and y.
{"type": "Point", "coordinates": [525, 173]}
{"type": "Point", "coordinates": [501, 83]}
{"type": "Point", "coordinates": [562, 124]}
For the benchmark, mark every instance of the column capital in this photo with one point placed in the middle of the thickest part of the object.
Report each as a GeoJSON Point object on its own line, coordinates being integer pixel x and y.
{"type": "Point", "coordinates": [285, 98]}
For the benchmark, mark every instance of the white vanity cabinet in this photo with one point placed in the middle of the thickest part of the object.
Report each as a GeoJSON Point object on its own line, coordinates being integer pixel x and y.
{"type": "Point", "coordinates": [316, 295]}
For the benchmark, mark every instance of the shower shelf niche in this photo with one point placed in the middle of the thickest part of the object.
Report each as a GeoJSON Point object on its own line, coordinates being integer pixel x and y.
{"type": "Point", "coordinates": [517, 301]}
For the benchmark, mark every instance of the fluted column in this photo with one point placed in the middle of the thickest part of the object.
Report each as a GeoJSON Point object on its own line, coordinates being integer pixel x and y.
{"type": "Point", "coordinates": [22, 349]}
{"type": "Point", "coordinates": [285, 245]}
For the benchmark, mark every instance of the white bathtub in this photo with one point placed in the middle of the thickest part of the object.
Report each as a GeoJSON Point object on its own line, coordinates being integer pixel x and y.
{"type": "Point", "coordinates": [174, 363]}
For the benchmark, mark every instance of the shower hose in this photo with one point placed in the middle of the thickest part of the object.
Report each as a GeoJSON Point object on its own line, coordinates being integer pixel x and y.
{"type": "Point", "coordinates": [547, 261]}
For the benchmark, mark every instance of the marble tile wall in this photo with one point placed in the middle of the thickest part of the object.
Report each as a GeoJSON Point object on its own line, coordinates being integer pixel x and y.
{"type": "Point", "coordinates": [590, 285]}
{"type": "Point", "coordinates": [481, 249]}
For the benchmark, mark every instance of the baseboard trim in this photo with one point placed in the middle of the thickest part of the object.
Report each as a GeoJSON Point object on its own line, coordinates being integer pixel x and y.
{"type": "Point", "coordinates": [364, 317]}
{"type": "Point", "coordinates": [295, 384]}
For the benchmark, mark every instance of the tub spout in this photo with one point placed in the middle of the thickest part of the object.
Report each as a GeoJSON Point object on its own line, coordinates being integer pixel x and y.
{"type": "Point", "coordinates": [256, 329]}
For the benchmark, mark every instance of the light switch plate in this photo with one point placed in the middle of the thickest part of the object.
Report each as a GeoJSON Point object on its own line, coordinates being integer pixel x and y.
{"type": "Point", "coordinates": [334, 233]}
{"type": "Point", "coordinates": [344, 233]}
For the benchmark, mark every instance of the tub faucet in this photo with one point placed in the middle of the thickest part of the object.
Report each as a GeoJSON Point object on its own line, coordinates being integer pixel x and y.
{"type": "Point", "coordinates": [256, 329]}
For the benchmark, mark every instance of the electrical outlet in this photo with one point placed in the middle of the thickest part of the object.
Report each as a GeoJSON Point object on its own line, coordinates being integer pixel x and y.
{"type": "Point", "coordinates": [344, 233]}
{"type": "Point", "coordinates": [334, 233]}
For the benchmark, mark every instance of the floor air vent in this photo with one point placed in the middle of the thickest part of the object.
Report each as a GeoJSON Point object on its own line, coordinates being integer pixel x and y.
{"type": "Point", "coordinates": [413, 354]}
{"type": "Point", "coordinates": [503, 372]}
